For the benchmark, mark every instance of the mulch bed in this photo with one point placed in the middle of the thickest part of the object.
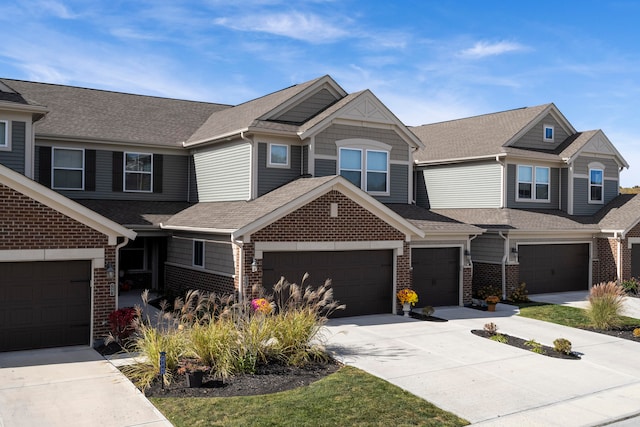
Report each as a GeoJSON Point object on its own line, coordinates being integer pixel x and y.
{"type": "Point", "coordinates": [520, 343]}
{"type": "Point", "coordinates": [268, 379]}
{"type": "Point", "coordinates": [625, 332]}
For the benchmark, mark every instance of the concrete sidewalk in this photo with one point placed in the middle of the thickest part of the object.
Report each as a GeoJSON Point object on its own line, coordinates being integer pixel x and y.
{"type": "Point", "coordinates": [494, 384]}
{"type": "Point", "coordinates": [67, 387]}
{"type": "Point", "coordinates": [580, 299]}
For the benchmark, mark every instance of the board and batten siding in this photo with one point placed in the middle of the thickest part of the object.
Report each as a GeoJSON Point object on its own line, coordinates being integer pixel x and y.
{"type": "Point", "coordinates": [325, 141]}
{"type": "Point", "coordinates": [488, 247]}
{"type": "Point", "coordinates": [223, 173]}
{"type": "Point", "coordinates": [535, 137]}
{"type": "Point", "coordinates": [218, 255]}
{"type": "Point", "coordinates": [554, 189]}
{"type": "Point", "coordinates": [581, 205]}
{"type": "Point", "coordinates": [464, 186]}
{"type": "Point", "coordinates": [270, 178]}
{"type": "Point", "coordinates": [15, 158]}
{"type": "Point", "coordinates": [307, 108]}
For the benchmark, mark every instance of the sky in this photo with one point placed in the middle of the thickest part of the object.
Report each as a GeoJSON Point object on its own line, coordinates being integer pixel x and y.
{"type": "Point", "coordinates": [426, 60]}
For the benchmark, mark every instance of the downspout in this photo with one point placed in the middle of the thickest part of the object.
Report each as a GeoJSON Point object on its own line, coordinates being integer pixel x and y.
{"type": "Point", "coordinates": [117, 268]}
{"type": "Point", "coordinates": [618, 256]}
{"type": "Point", "coordinates": [504, 264]}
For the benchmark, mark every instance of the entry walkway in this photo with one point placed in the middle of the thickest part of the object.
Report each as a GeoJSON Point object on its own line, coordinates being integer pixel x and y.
{"type": "Point", "coordinates": [489, 383]}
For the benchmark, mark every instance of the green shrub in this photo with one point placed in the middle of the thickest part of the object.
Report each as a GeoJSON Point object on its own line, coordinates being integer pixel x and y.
{"type": "Point", "coordinates": [606, 302]}
{"type": "Point", "coordinates": [562, 345]}
{"type": "Point", "coordinates": [535, 346]}
{"type": "Point", "coordinates": [520, 294]}
{"type": "Point", "coordinates": [499, 338]}
{"type": "Point", "coordinates": [488, 290]}
{"type": "Point", "coordinates": [630, 286]}
{"type": "Point", "coordinates": [491, 328]}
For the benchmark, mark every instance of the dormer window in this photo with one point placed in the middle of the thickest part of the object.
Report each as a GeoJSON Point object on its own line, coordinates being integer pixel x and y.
{"type": "Point", "coordinates": [533, 184]}
{"type": "Point", "coordinates": [278, 156]}
{"type": "Point", "coordinates": [548, 133]}
{"type": "Point", "coordinates": [4, 134]}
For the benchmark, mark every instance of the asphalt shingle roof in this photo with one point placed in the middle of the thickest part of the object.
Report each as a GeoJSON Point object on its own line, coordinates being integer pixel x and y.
{"type": "Point", "coordinates": [430, 221]}
{"type": "Point", "coordinates": [135, 213]}
{"type": "Point", "coordinates": [113, 116]}
{"type": "Point", "coordinates": [621, 213]}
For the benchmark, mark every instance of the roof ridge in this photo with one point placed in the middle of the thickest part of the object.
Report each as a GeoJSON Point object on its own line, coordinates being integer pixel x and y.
{"type": "Point", "coordinates": [309, 82]}
{"type": "Point", "coordinates": [483, 115]}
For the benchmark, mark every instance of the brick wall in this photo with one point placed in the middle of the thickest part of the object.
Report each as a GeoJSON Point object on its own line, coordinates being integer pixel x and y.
{"type": "Point", "coordinates": [467, 284]}
{"type": "Point", "coordinates": [27, 224]}
{"type": "Point", "coordinates": [607, 256]}
{"type": "Point", "coordinates": [179, 280]}
{"type": "Point", "coordinates": [486, 274]}
{"type": "Point", "coordinates": [626, 252]}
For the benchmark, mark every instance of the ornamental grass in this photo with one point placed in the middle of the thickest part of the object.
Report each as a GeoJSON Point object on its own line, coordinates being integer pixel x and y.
{"type": "Point", "coordinates": [606, 302]}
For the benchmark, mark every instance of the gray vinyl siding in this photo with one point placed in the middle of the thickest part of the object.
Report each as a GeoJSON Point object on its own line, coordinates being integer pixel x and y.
{"type": "Point", "coordinates": [14, 159]}
{"type": "Point", "coordinates": [535, 137]}
{"type": "Point", "coordinates": [581, 166]}
{"type": "Point", "coordinates": [324, 167]}
{"type": "Point", "coordinates": [581, 205]}
{"type": "Point", "coordinates": [174, 181]}
{"type": "Point", "coordinates": [564, 189]}
{"type": "Point", "coordinates": [554, 189]}
{"type": "Point", "coordinates": [270, 178]}
{"type": "Point", "coordinates": [475, 185]}
{"type": "Point", "coordinates": [223, 173]}
{"type": "Point", "coordinates": [305, 159]}
{"type": "Point", "coordinates": [420, 190]}
{"type": "Point", "coordinates": [325, 141]}
{"type": "Point", "coordinates": [218, 256]}
{"type": "Point", "coordinates": [488, 247]}
{"type": "Point", "coordinates": [193, 183]}
{"type": "Point", "coordinates": [308, 108]}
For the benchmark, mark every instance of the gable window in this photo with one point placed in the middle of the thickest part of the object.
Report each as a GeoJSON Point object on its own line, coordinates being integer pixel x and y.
{"type": "Point", "coordinates": [548, 133]}
{"type": "Point", "coordinates": [67, 168]}
{"type": "Point", "coordinates": [596, 186]}
{"type": "Point", "coordinates": [374, 177]}
{"type": "Point", "coordinates": [198, 253]}
{"type": "Point", "coordinates": [533, 183]}
{"type": "Point", "coordinates": [138, 172]}
{"type": "Point", "coordinates": [4, 134]}
{"type": "Point", "coordinates": [278, 156]}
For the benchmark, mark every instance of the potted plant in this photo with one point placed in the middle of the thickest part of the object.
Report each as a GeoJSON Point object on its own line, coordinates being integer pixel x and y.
{"type": "Point", "coordinates": [407, 298]}
{"type": "Point", "coordinates": [491, 301]}
{"type": "Point", "coordinates": [194, 370]}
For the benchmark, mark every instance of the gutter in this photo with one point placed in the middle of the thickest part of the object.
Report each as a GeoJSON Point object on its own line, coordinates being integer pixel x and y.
{"type": "Point", "coordinates": [197, 229]}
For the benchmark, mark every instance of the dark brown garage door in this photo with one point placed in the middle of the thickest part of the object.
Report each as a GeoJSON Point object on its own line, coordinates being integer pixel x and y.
{"type": "Point", "coordinates": [363, 280]}
{"type": "Point", "coordinates": [44, 304]}
{"type": "Point", "coordinates": [436, 275]}
{"type": "Point", "coordinates": [635, 261]}
{"type": "Point", "coordinates": [554, 268]}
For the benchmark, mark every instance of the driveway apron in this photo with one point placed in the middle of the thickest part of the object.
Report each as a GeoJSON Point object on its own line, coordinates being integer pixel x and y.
{"type": "Point", "coordinates": [70, 386]}
{"type": "Point", "coordinates": [490, 383]}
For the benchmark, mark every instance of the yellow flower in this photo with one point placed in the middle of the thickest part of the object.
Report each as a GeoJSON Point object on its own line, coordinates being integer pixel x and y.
{"type": "Point", "coordinates": [407, 296]}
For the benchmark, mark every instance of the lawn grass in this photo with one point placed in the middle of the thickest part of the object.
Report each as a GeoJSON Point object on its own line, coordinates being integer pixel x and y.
{"type": "Point", "coordinates": [349, 397]}
{"type": "Point", "coordinates": [564, 315]}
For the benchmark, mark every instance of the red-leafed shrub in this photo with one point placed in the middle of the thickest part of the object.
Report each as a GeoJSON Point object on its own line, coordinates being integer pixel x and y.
{"type": "Point", "coordinates": [121, 323]}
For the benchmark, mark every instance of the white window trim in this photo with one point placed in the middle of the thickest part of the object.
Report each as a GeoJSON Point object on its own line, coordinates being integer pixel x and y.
{"type": "Point", "coordinates": [363, 170]}
{"type": "Point", "coordinates": [125, 172]}
{"type": "Point", "coordinates": [53, 168]}
{"type": "Point", "coordinates": [193, 253]}
{"type": "Point", "coordinates": [544, 133]}
{"type": "Point", "coordinates": [278, 165]}
{"type": "Point", "coordinates": [533, 198]}
{"type": "Point", "coordinates": [7, 141]}
{"type": "Point", "coordinates": [589, 185]}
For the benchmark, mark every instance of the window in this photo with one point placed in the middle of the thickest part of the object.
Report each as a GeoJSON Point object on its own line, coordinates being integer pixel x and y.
{"type": "Point", "coordinates": [138, 172]}
{"type": "Point", "coordinates": [68, 169]}
{"type": "Point", "coordinates": [533, 183]}
{"type": "Point", "coordinates": [198, 253]}
{"type": "Point", "coordinates": [376, 173]}
{"type": "Point", "coordinates": [278, 155]}
{"type": "Point", "coordinates": [596, 185]}
{"type": "Point", "coordinates": [4, 134]}
{"type": "Point", "coordinates": [548, 133]}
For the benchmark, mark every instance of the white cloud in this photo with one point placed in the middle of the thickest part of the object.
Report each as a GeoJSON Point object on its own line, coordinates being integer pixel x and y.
{"type": "Point", "coordinates": [484, 49]}
{"type": "Point", "coordinates": [300, 26]}
{"type": "Point", "coordinates": [56, 8]}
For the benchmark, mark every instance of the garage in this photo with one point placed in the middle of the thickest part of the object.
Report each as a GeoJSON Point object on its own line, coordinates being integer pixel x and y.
{"type": "Point", "coordinates": [363, 280]}
{"type": "Point", "coordinates": [436, 275]}
{"type": "Point", "coordinates": [45, 304]}
{"type": "Point", "coordinates": [554, 268]}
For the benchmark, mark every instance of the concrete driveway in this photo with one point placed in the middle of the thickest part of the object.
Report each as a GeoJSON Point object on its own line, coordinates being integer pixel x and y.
{"type": "Point", "coordinates": [489, 383]}
{"type": "Point", "coordinates": [70, 386]}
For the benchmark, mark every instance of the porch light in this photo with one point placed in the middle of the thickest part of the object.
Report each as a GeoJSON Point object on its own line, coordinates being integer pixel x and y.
{"type": "Point", "coordinates": [110, 271]}
{"type": "Point", "coordinates": [254, 266]}
{"type": "Point", "coordinates": [514, 250]}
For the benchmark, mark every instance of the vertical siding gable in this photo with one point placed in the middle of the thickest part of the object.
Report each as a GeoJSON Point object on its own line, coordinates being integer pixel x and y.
{"type": "Point", "coordinates": [535, 137]}
{"type": "Point", "coordinates": [223, 173]}
{"type": "Point", "coordinates": [15, 159]}
{"type": "Point", "coordinates": [554, 190]}
{"type": "Point", "coordinates": [464, 185]}
{"type": "Point", "coordinates": [308, 108]}
{"type": "Point", "coordinates": [272, 178]}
